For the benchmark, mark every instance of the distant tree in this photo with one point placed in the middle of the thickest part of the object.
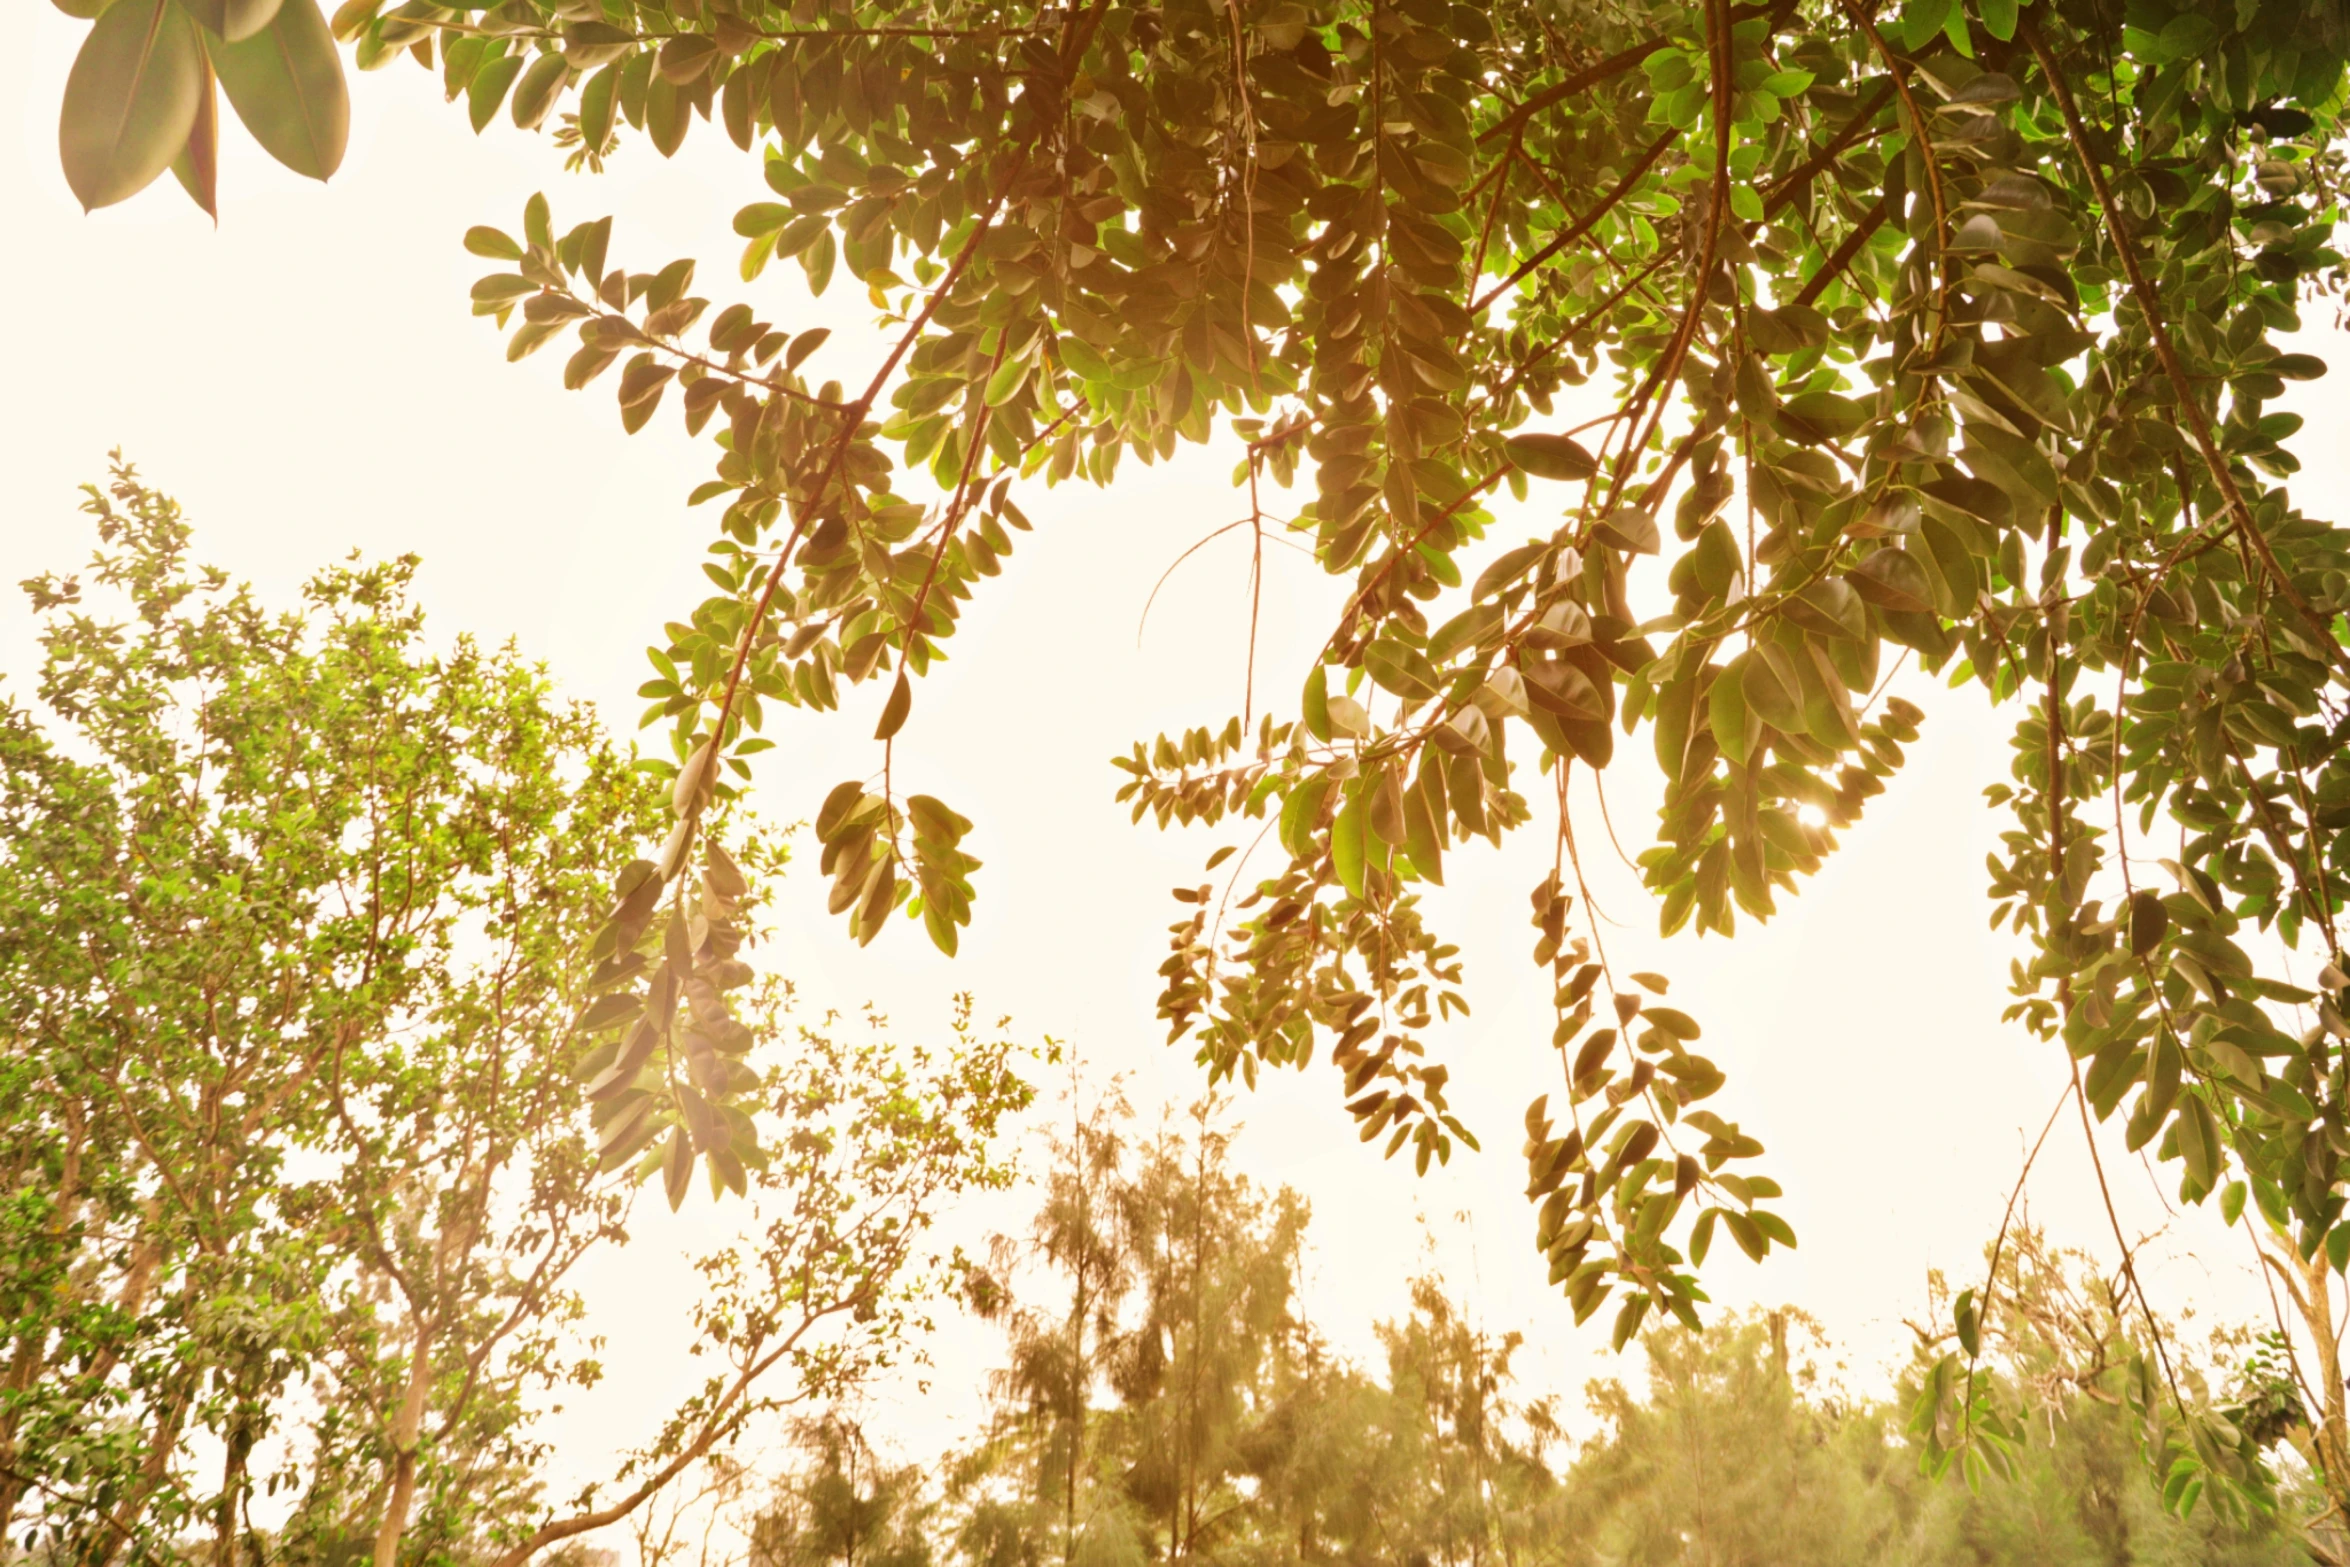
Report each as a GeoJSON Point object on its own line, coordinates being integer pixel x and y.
{"type": "Point", "coordinates": [843, 1505]}
{"type": "Point", "coordinates": [1734, 1456]}
{"type": "Point", "coordinates": [1742, 1448]}
{"type": "Point", "coordinates": [1219, 1427]}
{"type": "Point", "coordinates": [1216, 1261]}
{"type": "Point", "coordinates": [1476, 1452]}
{"type": "Point", "coordinates": [1060, 1346]}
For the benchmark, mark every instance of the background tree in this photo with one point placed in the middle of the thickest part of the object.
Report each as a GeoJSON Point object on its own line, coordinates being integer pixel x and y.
{"type": "Point", "coordinates": [1217, 1261]}
{"type": "Point", "coordinates": [843, 1504]}
{"type": "Point", "coordinates": [1059, 1351]}
{"type": "Point", "coordinates": [1951, 331]}
{"type": "Point", "coordinates": [1744, 1444]}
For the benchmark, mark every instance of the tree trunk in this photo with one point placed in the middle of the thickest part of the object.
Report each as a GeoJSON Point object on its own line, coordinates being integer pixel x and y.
{"type": "Point", "coordinates": [30, 1357]}
{"type": "Point", "coordinates": [2330, 1434]}
{"type": "Point", "coordinates": [152, 1474]}
{"type": "Point", "coordinates": [31, 1351]}
{"type": "Point", "coordinates": [407, 1426]}
{"type": "Point", "coordinates": [232, 1488]}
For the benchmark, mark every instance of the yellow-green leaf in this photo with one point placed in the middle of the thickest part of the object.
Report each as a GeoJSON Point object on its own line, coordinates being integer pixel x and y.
{"type": "Point", "coordinates": [232, 19]}
{"type": "Point", "coordinates": [197, 167]}
{"type": "Point", "coordinates": [130, 100]}
{"type": "Point", "coordinates": [286, 84]}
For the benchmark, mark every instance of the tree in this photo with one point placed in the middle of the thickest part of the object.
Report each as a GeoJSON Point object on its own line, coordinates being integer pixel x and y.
{"type": "Point", "coordinates": [1947, 335]}
{"type": "Point", "coordinates": [2097, 1398]}
{"type": "Point", "coordinates": [296, 949]}
{"type": "Point", "coordinates": [843, 1505]}
{"type": "Point", "coordinates": [1060, 1353]}
{"type": "Point", "coordinates": [1744, 1450]}
{"type": "Point", "coordinates": [247, 864]}
{"type": "Point", "coordinates": [1216, 1262]}
{"type": "Point", "coordinates": [1744, 1444]}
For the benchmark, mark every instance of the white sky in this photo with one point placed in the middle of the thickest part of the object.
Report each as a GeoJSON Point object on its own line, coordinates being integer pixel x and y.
{"type": "Point", "coordinates": [307, 380]}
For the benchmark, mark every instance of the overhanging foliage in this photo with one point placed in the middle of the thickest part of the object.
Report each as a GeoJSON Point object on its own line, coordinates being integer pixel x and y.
{"type": "Point", "coordinates": [1952, 330]}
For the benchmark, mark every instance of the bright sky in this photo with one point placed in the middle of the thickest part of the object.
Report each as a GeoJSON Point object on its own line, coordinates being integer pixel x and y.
{"type": "Point", "coordinates": [307, 380]}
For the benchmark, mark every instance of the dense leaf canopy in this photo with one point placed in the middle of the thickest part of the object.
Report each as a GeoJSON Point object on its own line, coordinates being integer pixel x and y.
{"type": "Point", "coordinates": [299, 1162]}
{"type": "Point", "coordinates": [1950, 333]}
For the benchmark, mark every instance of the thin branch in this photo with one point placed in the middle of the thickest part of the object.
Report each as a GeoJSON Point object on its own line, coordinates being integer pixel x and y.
{"type": "Point", "coordinates": [1999, 1244]}
{"type": "Point", "coordinates": [1833, 268]}
{"type": "Point", "coordinates": [1582, 226]}
{"type": "Point", "coordinates": [1785, 189]}
{"type": "Point", "coordinates": [1613, 66]}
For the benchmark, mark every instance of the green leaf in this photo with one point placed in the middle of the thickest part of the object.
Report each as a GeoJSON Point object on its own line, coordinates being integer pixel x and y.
{"type": "Point", "coordinates": [1631, 528]}
{"type": "Point", "coordinates": [1006, 380]}
{"type": "Point", "coordinates": [232, 19]}
{"type": "Point", "coordinates": [286, 84]}
{"type": "Point", "coordinates": [1346, 845]}
{"type": "Point", "coordinates": [1402, 669]}
{"type": "Point", "coordinates": [1628, 1318]}
{"type": "Point", "coordinates": [1726, 710]}
{"type": "Point", "coordinates": [677, 1168]}
{"type": "Point", "coordinates": [1551, 456]}
{"type": "Point", "coordinates": [1301, 812]}
{"type": "Point", "coordinates": [599, 102]}
{"type": "Point", "coordinates": [1315, 704]}
{"type": "Point", "coordinates": [1814, 417]}
{"type": "Point", "coordinates": [543, 81]}
{"type": "Point", "coordinates": [491, 243]}
{"type": "Point", "coordinates": [2015, 465]}
{"type": "Point", "coordinates": [487, 90]}
{"type": "Point", "coordinates": [197, 168]}
{"type": "Point", "coordinates": [131, 99]}
{"type": "Point", "coordinates": [1892, 579]}
{"type": "Point", "coordinates": [894, 711]}
{"type": "Point", "coordinates": [817, 260]}
{"type": "Point", "coordinates": [761, 217]}
{"type": "Point", "coordinates": [2148, 921]}
{"type": "Point", "coordinates": [1921, 20]}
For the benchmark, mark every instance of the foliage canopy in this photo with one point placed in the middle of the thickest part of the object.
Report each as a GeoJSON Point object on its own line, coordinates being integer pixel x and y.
{"type": "Point", "coordinates": [1950, 333]}
{"type": "Point", "coordinates": [300, 1151]}
{"type": "Point", "coordinates": [1168, 1394]}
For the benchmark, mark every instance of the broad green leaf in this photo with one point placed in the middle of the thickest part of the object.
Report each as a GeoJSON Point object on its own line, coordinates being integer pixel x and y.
{"type": "Point", "coordinates": [1727, 713]}
{"type": "Point", "coordinates": [1551, 456]}
{"type": "Point", "coordinates": [286, 84]}
{"type": "Point", "coordinates": [541, 84]}
{"type": "Point", "coordinates": [487, 91]}
{"type": "Point", "coordinates": [197, 167]}
{"type": "Point", "coordinates": [232, 20]}
{"type": "Point", "coordinates": [1892, 579]}
{"type": "Point", "coordinates": [130, 101]}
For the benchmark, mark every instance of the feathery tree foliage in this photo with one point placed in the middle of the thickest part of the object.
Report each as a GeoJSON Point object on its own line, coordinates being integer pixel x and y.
{"type": "Point", "coordinates": [298, 1146]}
{"type": "Point", "coordinates": [1947, 333]}
{"type": "Point", "coordinates": [1741, 1448]}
